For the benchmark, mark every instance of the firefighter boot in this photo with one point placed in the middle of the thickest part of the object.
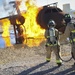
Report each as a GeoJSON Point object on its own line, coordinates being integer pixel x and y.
{"type": "Point", "coordinates": [59, 62]}
{"type": "Point", "coordinates": [47, 59]}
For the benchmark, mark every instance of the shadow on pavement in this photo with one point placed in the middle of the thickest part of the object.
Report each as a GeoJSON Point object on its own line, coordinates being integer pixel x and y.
{"type": "Point", "coordinates": [70, 71]}
{"type": "Point", "coordinates": [45, 72]}
{"type": "Point", "coordinates": [49, 71]}
{"type": "Point", "coordinates": [26, 72]}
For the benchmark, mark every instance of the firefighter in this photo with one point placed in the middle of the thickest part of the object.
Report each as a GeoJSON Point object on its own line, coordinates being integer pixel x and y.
{"type": "Point", "coordinates": [71, 32]}
{"type": "Point", "coordinates": [52, 42]}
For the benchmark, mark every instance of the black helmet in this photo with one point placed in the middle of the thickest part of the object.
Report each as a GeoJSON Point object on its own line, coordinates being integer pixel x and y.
{"type": "Point", "coordinates": [51, 23]}
{"type": "Point", "coordinates": [67, 18]}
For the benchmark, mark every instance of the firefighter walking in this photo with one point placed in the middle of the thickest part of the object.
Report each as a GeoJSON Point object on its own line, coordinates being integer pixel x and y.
{"type": "Point", "coordinates": [52, 42]}
{"type": "Point", "coordinates": [71, 33]}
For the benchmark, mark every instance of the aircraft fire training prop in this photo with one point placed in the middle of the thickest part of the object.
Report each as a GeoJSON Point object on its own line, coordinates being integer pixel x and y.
{"type": "Point", "coordinates": [51, 12]}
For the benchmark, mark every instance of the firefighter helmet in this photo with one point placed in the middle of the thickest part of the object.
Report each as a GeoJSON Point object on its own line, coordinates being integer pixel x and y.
{"type": "Point", "coordinates": [67, 18]}
{"type": "Point", "coordinates": [51, 23]}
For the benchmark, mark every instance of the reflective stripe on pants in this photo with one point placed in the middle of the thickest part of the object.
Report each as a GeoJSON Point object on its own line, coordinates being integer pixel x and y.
{"type": "Point", "coordinates": [58, 61]}
{"type": "Point", "coordinates": [48, 59]}
{"type": "Point", "coordinates": [56, 50]}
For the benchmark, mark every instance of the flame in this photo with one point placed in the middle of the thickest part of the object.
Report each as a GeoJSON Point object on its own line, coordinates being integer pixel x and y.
{"type": "Point", "coordinates": [6, 34]}
{"type": "Point", "coordinates": [33, 30]}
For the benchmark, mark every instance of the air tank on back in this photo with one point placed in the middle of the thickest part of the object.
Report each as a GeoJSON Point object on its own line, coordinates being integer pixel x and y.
{"type": "Point", "coordinates": [51, 12]}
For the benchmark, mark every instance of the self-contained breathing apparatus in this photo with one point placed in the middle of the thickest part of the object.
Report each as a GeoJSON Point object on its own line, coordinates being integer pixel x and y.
{"type": "Point", "coordinates": [51, 30]}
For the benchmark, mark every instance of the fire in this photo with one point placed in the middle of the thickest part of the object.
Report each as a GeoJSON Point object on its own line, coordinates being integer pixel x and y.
{"type": "Point", "coordinates": [6, 34]}
{"type": "Point", "coordinates": [32, 32]}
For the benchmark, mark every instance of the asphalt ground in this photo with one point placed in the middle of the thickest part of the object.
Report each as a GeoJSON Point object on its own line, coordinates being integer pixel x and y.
{"type": "Point", "coordinates": [19, 60]}
{"type": "Point", "coordinates": [38, 67]}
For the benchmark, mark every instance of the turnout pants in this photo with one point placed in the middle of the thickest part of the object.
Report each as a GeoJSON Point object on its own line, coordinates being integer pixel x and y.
{"type": "Point", "coordinates": [73, 51]}
{"type": "Point", "coordinates": [56, 50]}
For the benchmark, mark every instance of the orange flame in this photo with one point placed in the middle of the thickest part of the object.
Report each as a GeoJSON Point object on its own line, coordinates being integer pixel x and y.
{"type": "Point", "coordinates": [33, 30]}
{"type": "Point", "coordinates": [6, 34]}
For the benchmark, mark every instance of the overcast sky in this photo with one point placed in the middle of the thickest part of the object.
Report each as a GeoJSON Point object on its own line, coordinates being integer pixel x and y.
{"type": "Point", "coordinates": [8, 8]}
{"type": "Point", "coordinates": [38, 3]}
{"type": "Point", "coordinates": [60, 3]}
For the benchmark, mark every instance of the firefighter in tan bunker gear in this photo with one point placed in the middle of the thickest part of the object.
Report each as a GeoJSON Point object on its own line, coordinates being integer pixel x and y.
{"type": "Point", "coordinates": [70, 31]}
{"type": "Point", "coordinates": [52, 43]}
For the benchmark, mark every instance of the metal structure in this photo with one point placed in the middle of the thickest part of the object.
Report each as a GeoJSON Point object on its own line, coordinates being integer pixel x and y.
{"type": "Point", "coordinates": [52, 4]}
{"type": "Point", "coordinates": [44, 15]}
{"type": "Point", "coordinates": [16, 26]}
{"type": "Point", "coordinates": [14, 14]}
{"type": "Point", "coordinates": [48, 12]}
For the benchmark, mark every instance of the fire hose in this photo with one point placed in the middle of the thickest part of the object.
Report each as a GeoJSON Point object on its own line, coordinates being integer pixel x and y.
{"type": "Point", "coordinates": [64, 59]}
